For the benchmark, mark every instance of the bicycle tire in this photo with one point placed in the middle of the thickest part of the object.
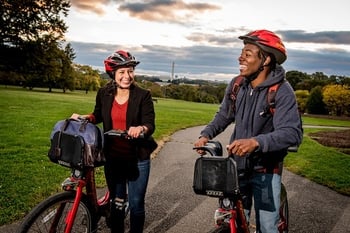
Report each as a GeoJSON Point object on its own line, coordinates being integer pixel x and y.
{"type": "Point", "coordinates": [224, 228]}
{"type": "Point", "coordinates": [286, 214]}
{"type": "Point", "coordinates": [40, 219]}
{"type": "Point", "coordinates": [284, 221]}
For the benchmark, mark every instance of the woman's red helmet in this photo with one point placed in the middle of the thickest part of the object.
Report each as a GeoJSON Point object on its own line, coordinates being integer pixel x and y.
{"type": "Point", "coordinates": [119, 59]}
{"type": "Point", "coordinates": [268, 42]}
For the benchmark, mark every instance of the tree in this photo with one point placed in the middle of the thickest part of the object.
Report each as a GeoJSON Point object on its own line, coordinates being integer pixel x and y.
{"type": "Point", "coordinates": [320, 76]}
{"type": "Point", "coordinates": [214, 94]}
{"type": "Point", "coordinates": [337, 99]}
{"type": "Point", "coordinates": [87, 78]}
{"type": "Point", "coordinates": [24, 21]}
{"type": "Point", "coordinates": [294, 77]}
{"type": "Point", "coordinates": [29, 39]}
{"type": "Point", "coordinates": [155, 88]}
{"type": "Point", "coordinates": [341, 80]}
{"type": "Point", "coordinates": [314, 103]}
{"type": "Point", "coordinates": [68, 74]}
{"type": "Point", "coordinates": [301, 96]}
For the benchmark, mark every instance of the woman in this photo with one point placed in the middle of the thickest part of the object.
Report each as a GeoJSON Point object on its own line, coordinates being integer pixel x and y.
{"type": "Point", "coordinates": [122, 105]}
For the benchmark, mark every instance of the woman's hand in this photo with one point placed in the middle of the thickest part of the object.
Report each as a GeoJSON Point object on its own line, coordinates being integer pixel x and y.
{"type": "Point", "coordinates": [75, 116]}
{"type": "Point", "coordinates": [136, 131]}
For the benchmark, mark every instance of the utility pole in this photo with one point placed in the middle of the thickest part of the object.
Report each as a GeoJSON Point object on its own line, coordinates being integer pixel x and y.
{"type": "Point", "coordinates": [172, 71]}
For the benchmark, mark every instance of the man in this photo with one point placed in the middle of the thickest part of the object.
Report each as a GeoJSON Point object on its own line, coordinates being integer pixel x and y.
{"type": "Point", "coordinates": [261, 138]}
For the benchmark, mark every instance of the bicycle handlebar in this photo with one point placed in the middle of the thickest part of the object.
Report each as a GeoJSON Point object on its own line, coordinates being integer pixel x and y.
{"type": "Point", "coordinates": [293, 149]}
{"type": "Point", "coordinates": [213, 147]}
{"type": "Point", "coordinates": [121, 134]}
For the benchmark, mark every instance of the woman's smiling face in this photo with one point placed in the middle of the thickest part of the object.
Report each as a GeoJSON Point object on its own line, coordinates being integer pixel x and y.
{"type": "Point", "coordinates": [125, 76]}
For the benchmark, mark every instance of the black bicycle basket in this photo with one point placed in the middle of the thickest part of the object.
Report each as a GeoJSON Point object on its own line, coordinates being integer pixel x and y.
{"type": "Point", "coordinates": [215, 176]}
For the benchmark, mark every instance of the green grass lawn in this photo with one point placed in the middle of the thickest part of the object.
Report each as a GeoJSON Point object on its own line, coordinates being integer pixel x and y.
{"type": "Point", "coordinates": [27, 118]}
{"type": "Point", "coordinates": [323, 165]}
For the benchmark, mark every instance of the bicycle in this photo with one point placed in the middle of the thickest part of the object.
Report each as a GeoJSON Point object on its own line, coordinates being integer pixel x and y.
{"type": "Point", "coordinates": [230, 216]}
{"type": "Point", "coordinates": [73, 210]}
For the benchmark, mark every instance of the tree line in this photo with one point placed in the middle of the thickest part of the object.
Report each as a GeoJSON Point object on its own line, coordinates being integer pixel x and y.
{"type": "Point", "coordinates": [33, 53]}
{"type": "Point", "coordinates": [316, 93]}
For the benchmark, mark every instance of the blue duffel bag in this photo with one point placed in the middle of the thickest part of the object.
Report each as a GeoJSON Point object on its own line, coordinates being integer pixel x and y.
{"type": "Point", "coordinates": [76, 144]}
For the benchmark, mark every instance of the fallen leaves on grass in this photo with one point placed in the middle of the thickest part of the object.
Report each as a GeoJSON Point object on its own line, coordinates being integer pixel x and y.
{"type": "Point", "coordinates": [339, 139]}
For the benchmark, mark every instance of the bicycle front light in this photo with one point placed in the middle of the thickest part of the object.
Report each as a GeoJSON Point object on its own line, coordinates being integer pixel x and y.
{"type": "Point", "coordinates": [226, 203]}
{"type": "Point", "coordinates": [77, 174]}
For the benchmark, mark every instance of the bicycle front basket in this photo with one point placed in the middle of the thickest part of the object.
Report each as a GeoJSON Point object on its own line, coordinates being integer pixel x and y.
{"type": "Point", "coordinates": [215, 176]}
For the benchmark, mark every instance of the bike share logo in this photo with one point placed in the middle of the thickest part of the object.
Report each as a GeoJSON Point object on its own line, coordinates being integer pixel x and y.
{"type": "Point", "coordinates": [214, 193]}
{"type": "Point", "coordinates": [63, 163]}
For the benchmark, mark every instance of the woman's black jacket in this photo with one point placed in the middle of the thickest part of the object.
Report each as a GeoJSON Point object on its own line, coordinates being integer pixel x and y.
{"type": "Point", "coordinates": [140, 111]}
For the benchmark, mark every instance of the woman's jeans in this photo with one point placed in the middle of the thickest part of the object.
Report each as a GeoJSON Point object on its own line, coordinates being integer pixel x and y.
{"type": "Point", "coordinates": [265, 189]}
{"type": "Point", "coordinates": [135, 191]}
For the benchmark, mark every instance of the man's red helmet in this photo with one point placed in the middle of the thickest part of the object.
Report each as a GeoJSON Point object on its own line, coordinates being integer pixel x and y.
{"type": "Point", "coordinates": [268, 42]}
{"type": "Point", "coordinates": [119, 59]}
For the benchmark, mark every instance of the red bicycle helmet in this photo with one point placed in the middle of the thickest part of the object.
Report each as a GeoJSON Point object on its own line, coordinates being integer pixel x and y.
{"type": "Point", "coordinates": [119, 59]}
{"type": "Point", "coordinates": [268, 42]}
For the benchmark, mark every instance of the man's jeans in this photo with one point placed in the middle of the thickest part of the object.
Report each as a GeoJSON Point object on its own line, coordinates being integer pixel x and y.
{"type": "Point", "coordinates": [265, 189]}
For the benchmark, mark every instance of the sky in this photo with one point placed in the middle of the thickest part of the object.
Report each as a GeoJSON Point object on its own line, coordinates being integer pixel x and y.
{"type": "Point", "coordinates": [199, 38]}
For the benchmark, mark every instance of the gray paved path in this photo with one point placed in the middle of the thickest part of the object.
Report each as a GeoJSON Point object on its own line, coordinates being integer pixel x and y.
{"type": "Point", "coordinates": [313, 208]}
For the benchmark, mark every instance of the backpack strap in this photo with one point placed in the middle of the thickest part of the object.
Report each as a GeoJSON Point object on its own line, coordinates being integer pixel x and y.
{"type": "Point", "coordinates": [271, 97]}
{"type": "Point", "coordinates": [235, 89]}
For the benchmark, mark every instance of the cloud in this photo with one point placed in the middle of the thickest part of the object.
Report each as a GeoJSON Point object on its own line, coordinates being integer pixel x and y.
{"type": "Point", "coordinates": [166, 11]}
{"type": "Point", "coordinates": [214, 39]}
{"type": "Point", "coordinates": [95, 6]}
{"type": "Point", "coordinates": [323, 37]}
{"type": "Point", "coordinates": [329, 62]}
{"type": "Point", "coordinates": [196, 59]}
{"type": "Point", "coordinates": [199, 37]}
{"type": "Point", "coordinates": [230, 36]}
{"type": "Point", "coordinates": [209, 62]}
{"type": "Point", "coordinates": [161, 11]}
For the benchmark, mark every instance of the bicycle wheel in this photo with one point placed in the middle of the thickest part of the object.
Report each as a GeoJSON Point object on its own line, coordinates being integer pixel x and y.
{"type": "Point", "coordinates": [284, 212]}
{"type": "Point", "coordinates": [50, 215]}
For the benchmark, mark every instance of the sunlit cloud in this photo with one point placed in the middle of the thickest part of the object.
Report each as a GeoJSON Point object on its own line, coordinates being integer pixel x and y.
{"type": "Point", "coordinates": [201, 37]}
{"type": "Point", "coordinates": [166, 10]}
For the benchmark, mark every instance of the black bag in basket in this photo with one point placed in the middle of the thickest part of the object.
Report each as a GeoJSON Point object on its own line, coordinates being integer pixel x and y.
{"type": "Point", "coordinates": [215, 176]}
{"type": "Point", "coordinates": [76, 144]}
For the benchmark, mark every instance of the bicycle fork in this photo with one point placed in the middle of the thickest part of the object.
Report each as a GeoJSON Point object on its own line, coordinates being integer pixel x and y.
{"type": "Point", "coordinates": [232, 223]}
{"type": "Point", "coordinates": [243, 220]}
{"type": "Point", "coordinates": [73, 211]}
{"type": "Point", "coordinates": [233, 215]}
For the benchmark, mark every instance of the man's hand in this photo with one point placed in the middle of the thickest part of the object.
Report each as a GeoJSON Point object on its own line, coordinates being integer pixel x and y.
{"type": "Point", "coordinates": [201, 142]}
{"type": "Point", "coordinates": [242, 147]}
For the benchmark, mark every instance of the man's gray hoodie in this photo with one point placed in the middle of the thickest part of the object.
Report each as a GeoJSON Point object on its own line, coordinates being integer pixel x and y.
{"type": "Point", "coordinates": [275, 133]}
